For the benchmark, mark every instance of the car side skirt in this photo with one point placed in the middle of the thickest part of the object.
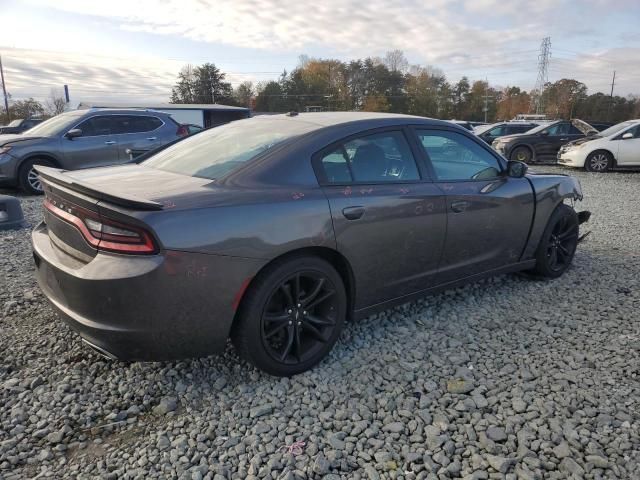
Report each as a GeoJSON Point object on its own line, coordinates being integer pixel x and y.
{"type": "Point", "coordinates": [514, 267]}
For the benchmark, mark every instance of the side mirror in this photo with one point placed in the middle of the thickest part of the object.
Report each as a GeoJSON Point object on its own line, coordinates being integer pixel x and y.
{"type": "Point", "coordinates": [516, 169]}
{"type": "Point", "coordinates": [627, 136]}
{"type": "Point", "coordinates": [73, 133]}
{"type": "Point", "coordinates": [544, 133]}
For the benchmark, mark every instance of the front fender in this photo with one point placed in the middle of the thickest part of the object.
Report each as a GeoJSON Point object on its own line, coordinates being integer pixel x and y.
{"type": "Point", "coordinates": [550, 190]}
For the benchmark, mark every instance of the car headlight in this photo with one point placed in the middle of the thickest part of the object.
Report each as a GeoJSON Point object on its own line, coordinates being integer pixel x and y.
{"type": "Point", "coordinates": [5, 149]}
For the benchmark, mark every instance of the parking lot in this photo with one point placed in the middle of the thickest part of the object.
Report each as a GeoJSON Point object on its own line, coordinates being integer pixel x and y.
{"type": "Point", "coordinates": [509, 377]}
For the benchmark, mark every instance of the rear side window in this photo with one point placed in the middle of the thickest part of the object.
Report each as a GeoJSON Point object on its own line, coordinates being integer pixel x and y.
{"type": "Point", "coordinates": [136, 123]}
{"type": "Point", "coordinates": [381, 157]}
{"type": "Point", "coordinates": [457, 157]}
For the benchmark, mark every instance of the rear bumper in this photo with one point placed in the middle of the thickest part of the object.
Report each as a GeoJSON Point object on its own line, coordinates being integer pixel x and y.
{"type": "Point", "coordinates": [159, 307]}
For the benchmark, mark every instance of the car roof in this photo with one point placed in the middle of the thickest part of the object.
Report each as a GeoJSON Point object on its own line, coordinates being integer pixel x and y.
{"type": "Point", "coordinates": [119, 111]}
{"type": "Point", "coordinates": [329, 119]}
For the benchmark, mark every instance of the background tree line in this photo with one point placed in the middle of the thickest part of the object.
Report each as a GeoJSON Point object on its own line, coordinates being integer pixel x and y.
{"type": "Point", "coordinates": [390, 84]}
{"type": "Point", "coordinates": [30, 107]}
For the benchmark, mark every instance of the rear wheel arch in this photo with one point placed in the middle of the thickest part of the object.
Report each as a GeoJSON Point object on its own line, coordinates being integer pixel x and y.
{"type": "Point", "coordinates": [335, 258]}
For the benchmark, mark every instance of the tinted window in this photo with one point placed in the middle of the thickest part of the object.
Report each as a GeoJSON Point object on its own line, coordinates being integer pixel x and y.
{"type": "Point", "coordinates": [94, 126]}
{"type": "Point", "coordinates": [496, 132]}
{"type": "Point", "coordinates": [558, 129]}
{"type": "Point", "coordinates": [520, 128]}
{"type": "Point", "coordinates": [456, 157]}
{"type": "Point", "coordinates": [574, 131]}
{"type": "Point", "coordinates": [382, 157]}
{"type": "Point", "coordinates": [136, 124]}
{"type": "Point", "coordinates": [217, 151]}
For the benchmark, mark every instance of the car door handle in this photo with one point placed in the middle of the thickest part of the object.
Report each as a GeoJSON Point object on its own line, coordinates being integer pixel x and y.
{"type": "Point", "coordinates": [110, 142]}
{"type": "Point", "coordinates": [564, 139]}
{"type": "Point", "coordinates": [353, 213]}
{"type": "Point", "coordinates": [152, 138]}
{"type": "Point", "coordinates": [459, 206]}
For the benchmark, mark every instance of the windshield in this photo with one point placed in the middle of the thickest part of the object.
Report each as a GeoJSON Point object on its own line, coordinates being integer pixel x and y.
{"type": "Point", "coordinates": [540, 128]}
{"type": "Point", "coordinates": [56, 125]}
{"type": "Point", "coordinates": [615, 129]}
{"type": "Point", "coordinates": [484, 128]}
{"type": "Point", "coordinates": [216, 152]}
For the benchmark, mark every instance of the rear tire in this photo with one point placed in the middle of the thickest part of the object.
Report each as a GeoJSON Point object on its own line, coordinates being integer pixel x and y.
{"type": "Point", "coordinates": [291, 316]}
{"type": "Point", "coordinates": [521, 154]}
{"type": "Point", "coordinates": [558, 243]}
{"type": "Point", "coordinates": [28, 178]}
{"type": "Point", "coordinates": [598, 162]}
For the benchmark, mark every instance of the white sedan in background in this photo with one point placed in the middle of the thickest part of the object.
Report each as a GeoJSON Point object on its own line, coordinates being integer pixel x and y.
{"type": "Point", "coordinates": [617, 146]}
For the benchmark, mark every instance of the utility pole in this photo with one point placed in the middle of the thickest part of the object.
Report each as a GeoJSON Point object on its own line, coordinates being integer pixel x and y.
{"type": "Point", "coordinates": [613, 82]}
{"type": "Point", "coordinates": [4, 91]}
{"type": "Point", "coordinates": [486, 99]}
{"type": "Point", "coordinates": [543, 74]}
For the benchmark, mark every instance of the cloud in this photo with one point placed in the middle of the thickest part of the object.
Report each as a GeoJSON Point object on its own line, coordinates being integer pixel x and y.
{"type": "Point", "coordinates": [33, 73]}
{"type": "Point", "coordinates": [494, 38]}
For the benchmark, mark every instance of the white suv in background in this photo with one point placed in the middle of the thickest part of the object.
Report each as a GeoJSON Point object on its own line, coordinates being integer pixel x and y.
{"type": "Point", "coordinates": [617, 146]}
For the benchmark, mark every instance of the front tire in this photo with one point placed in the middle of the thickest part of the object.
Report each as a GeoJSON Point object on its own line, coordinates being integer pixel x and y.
{"type": "Point", "coordinates": [291, 316]}
{"type": "Point", "coordinates": [598, 162]}
{"type": "Point", "coordinates": [558, 243]}
{"type": "Point", "coordinates": [28, 178]}
{"type": "Point", "coordinates": [521, 154]}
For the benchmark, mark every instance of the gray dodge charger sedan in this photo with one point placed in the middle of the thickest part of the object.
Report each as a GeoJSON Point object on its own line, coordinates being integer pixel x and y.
{"type": "Point", "coordinates": [275, 230]}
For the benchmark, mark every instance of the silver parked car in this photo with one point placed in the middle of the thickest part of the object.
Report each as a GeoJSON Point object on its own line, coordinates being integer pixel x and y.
{"type": "Point", "coordinates": [82, 139]}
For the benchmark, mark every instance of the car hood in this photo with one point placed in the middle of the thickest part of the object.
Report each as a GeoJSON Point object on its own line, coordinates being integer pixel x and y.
{"type": "Point", "coordinates": [584, 127]}
{"type": "Point", "coordinates": [508, 138]}
{"type": "Point", "coordinates": [137, 186]}
{"type": "Point", "coordinates": [14, 138]}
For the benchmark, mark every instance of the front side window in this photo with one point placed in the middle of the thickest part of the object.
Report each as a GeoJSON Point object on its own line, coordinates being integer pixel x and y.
{"type": "Point", "coordinates": [574, 131]}
{"type": "Point", "coordinates": [381, 157]}
{"type": "Point", "coordinates": [97, 126]}
{"type": "Point", "coordinates": [558, 129]}
{"type": "Point", "coordinates": [457, 157]}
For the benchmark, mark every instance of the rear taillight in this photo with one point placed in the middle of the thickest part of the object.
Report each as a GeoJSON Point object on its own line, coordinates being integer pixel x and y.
{"type": "Point", "coordinates": [183, 131]}
{"type": "Point", "coordinates": [102, 233]}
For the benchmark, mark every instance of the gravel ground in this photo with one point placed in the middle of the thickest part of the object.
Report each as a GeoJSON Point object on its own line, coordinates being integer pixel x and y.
{"type": "Point", "coordinates": [507, 378]}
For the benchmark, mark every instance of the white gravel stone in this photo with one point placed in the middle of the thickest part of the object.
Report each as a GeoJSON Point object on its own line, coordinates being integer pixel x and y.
{"type": "Point", "coordinates": [553, 365]}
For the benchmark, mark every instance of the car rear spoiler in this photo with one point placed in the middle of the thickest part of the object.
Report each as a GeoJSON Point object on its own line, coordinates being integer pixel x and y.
{"type": "Point", "coordinates": [57, 175]}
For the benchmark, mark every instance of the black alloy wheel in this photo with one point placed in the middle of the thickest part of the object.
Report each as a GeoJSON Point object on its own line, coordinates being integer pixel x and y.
{"type": "Point", "coordinates": [559, 241]}
{"type": "Point", "coordinates": [291, 316]}
{"type": "Point", "coordinates": [299, 317]}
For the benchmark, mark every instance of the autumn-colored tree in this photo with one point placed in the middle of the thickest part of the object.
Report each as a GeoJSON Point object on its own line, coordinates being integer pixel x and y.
{"type": "Point", "coordinates": [562, 97]}
{"type": "Point", "coordinates": [375, 103]}
{"type": "Point", "coordinates": [512, 102]}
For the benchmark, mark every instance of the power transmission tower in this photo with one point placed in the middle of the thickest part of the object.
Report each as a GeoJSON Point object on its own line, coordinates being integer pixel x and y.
{"type": "Point", "coordinates": [543, 75]}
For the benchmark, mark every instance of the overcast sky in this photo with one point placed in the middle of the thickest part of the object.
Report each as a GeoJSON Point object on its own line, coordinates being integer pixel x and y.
{"type": "Point", "coordinates": [132, 49]}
